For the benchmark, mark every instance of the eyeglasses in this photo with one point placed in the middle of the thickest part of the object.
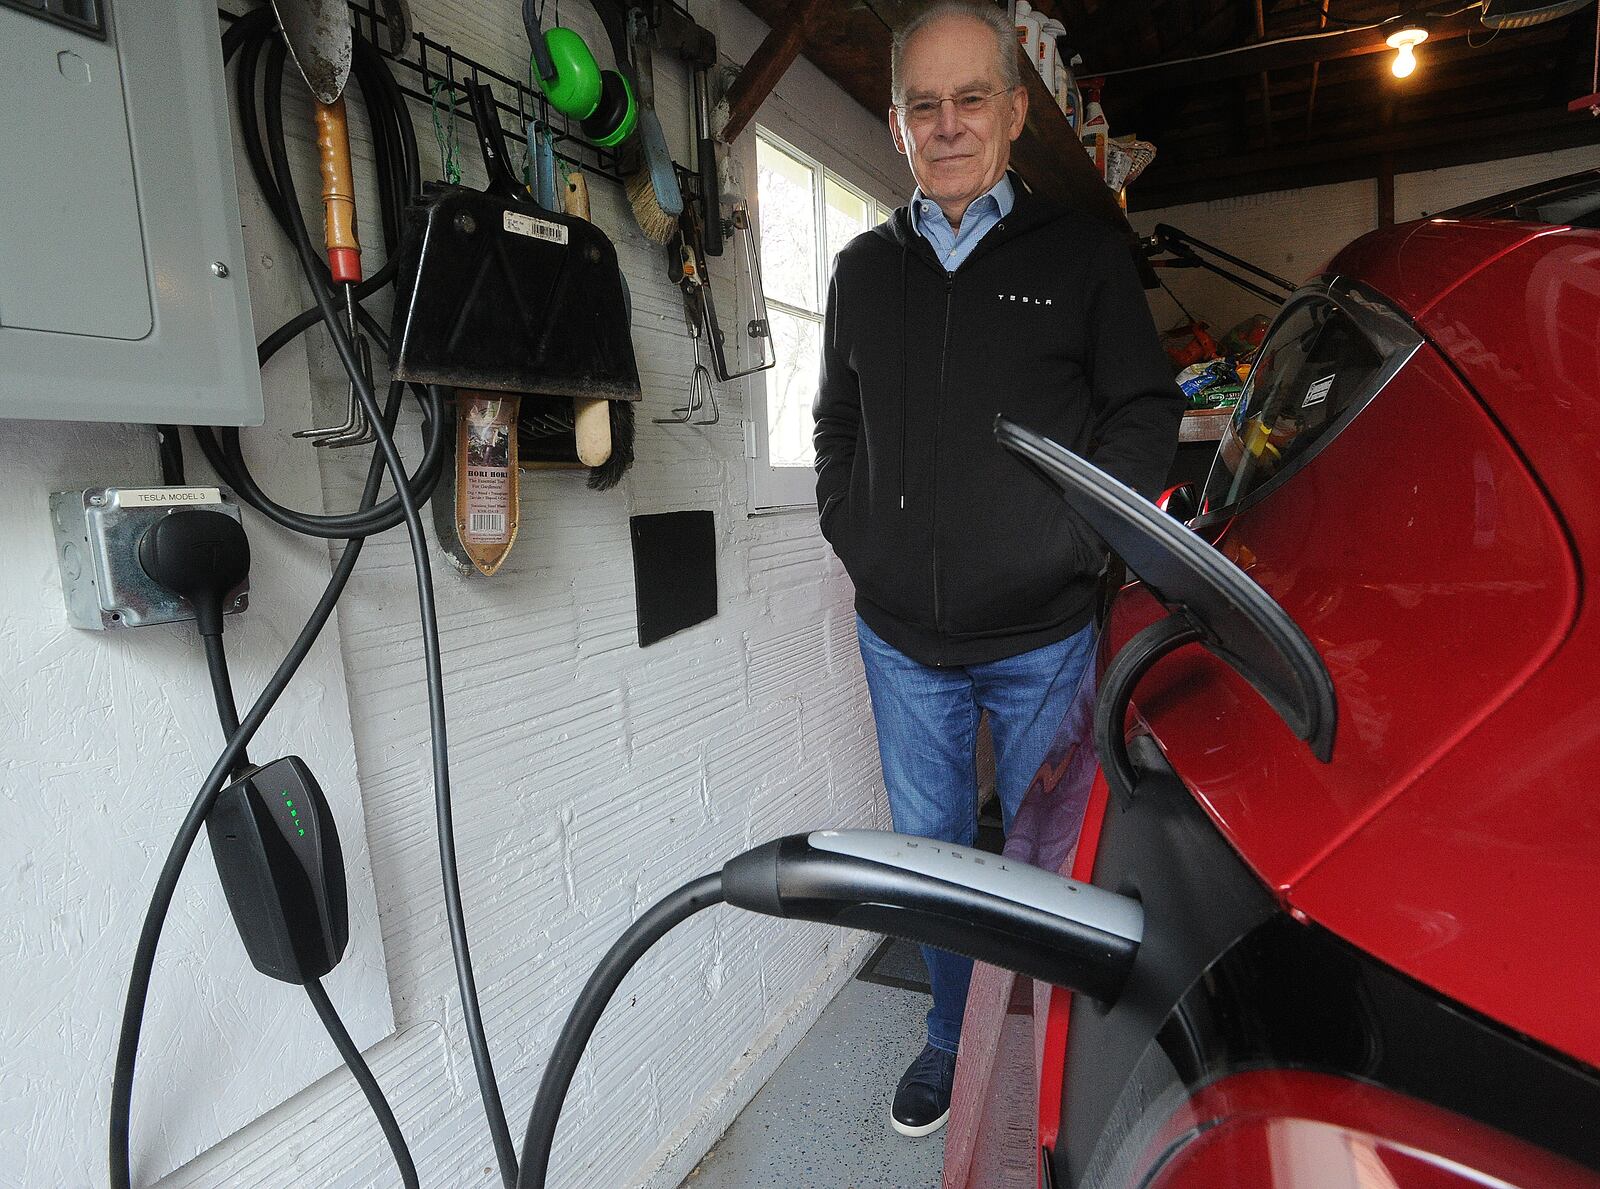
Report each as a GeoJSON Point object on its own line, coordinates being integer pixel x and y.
{"type": "Point", "coordinates": [967, 104]}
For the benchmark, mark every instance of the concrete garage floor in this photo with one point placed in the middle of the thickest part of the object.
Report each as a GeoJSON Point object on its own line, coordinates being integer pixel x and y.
{"type": "Point", "coordinates": [822, 1120]}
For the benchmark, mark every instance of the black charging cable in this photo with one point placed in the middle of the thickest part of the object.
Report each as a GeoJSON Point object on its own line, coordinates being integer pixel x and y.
{"type": "Point", "coordinates": [222, 690]}
{"type": "Point", "coordinates": [369, 1084]}
{"type": "Point", "coordinates": [143, 966]}
{"type": "Point", "coordinates": [203, 556]}
{"type": "Point", "coordinates": [255, 38]}
{"type": "Point", "coordinates": [669, 912]}
{"type": "Point", "coordinates": [262, 61]}
{"type": "Point", "coordinates": [169, 452]}
{"type": "Point", "coordinates": [444, 817]}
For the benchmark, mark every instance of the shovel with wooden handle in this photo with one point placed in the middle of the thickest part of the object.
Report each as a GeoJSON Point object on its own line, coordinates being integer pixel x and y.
{"type": "Point", "coordinates": [322, 45]}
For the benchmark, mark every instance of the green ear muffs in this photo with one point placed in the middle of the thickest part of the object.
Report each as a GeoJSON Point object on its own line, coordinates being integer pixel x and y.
{"type": "Point", "coordinates": [576, 88]}
{"type": "Point", "coordinates": [614, 119]}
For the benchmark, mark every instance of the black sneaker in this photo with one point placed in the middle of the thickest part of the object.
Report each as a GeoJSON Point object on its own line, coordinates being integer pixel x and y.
{"type": "Point", "coordinates": [922, 1100]}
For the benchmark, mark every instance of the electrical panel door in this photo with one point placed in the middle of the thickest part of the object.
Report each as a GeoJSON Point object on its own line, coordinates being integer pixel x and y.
{"type": "Point", "coordinates": [122, 278]}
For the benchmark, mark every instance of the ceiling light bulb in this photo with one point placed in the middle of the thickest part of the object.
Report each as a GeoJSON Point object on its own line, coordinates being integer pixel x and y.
{"type": "Point", "coordinates": [1405, 43]}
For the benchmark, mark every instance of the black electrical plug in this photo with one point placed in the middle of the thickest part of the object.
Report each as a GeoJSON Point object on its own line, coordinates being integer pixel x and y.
{"type": "Point", "coordinates": [199, 555]}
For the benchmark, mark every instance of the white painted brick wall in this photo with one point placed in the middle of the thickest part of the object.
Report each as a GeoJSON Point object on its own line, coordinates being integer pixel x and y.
{"type": "Point", "coordinates": [590, 776]}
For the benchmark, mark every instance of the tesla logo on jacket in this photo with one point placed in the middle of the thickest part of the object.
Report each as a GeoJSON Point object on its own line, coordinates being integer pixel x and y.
{"type": "Point", "coordinates": [959, 553]}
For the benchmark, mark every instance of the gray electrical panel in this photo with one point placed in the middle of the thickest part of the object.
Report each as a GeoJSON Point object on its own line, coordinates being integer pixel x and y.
{"type": "Point", "coordinates": [122, 273]}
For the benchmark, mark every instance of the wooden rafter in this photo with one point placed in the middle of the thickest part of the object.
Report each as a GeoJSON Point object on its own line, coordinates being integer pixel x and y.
{"type": "Point", "coordinates": [1187, 71]}
{"type": "Point", "coordinates": [766, 66]}
{"type": "Point", "coordinates": [1316, 68]}
{"type": "Point", "coordinates": [1266, 83]}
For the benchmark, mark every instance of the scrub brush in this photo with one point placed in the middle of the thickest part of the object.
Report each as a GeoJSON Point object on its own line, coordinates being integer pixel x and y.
{"type": "Point", "coordinates": [658, 224]}
{"type": "Point", "coordinates": [653, 190]}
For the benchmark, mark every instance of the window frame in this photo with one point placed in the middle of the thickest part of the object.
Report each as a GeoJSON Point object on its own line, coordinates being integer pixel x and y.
{"type": "Point", "coordinates": [1389, 333]}
{"type": "Point", "coordinates": [789, 488]}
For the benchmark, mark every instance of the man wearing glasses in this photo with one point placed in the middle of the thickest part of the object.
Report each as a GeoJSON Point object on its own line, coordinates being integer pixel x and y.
{"type": "Point", "coordinates": [975, 584]}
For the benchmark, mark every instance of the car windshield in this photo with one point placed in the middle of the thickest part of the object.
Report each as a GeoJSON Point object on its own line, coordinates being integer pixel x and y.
{"type": "Point", "coordinates": [1567, 202]}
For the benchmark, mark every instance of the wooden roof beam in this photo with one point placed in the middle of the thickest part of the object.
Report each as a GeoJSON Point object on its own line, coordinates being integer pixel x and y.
{"type": "Point", "coordinates": [1266, 82]}
{"type": "Point", "coordinates": [766, 66]}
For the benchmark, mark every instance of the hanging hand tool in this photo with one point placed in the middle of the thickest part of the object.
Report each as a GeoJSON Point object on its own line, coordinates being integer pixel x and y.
{"type": "Point", "coordinates": [701, 391]}
{"type": "Point", "coordinates": [322, 45]}
{"type": "Point", "coordinates": [710, 192]}
{"type": "Point", "coordinates": [488, 481]}
{"type": "Point", "coordinates": [397, 25]}
{"type": "Point", "coordinates": [496, 293]}
{"type": "Point", "coordinates": [545, 183]}
{"type": "Point", "coordinates": [653, 189]}
{"type": "Point", "coordinates": [688, 249]}
{"type": "Point", "coordinates": [693, 286]}
{"type": "Point", "coordinates": [320, 42]}
{"type": "Point", "coordinates": [591, 418]}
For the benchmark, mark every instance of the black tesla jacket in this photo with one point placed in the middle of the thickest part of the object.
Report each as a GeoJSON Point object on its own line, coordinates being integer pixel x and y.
{"type": "Point", "coordinates": [959, 553]}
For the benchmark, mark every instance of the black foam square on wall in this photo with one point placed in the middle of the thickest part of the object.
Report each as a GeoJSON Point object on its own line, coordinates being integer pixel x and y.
{"type": "Point", "coordinates": [674, 571]}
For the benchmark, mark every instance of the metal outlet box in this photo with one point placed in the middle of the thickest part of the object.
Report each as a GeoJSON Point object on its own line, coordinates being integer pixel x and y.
{"type": "Point", "coordinates": [97, 547]}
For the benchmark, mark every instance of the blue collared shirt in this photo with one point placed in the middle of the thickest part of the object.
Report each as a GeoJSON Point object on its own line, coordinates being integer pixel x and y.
{"type": "Point", "coordinates": [952, 246]}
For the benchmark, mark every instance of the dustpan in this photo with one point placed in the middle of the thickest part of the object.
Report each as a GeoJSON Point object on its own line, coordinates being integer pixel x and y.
{"type": "Point", "coordinates": [495, 292]}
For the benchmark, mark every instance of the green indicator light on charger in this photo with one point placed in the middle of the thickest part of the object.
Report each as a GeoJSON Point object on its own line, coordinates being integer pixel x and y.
{"type": "Point", "coordinates": [294, 813]}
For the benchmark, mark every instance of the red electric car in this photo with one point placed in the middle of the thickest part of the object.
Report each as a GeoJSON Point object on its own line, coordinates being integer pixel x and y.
{"type": "Point", "coordinates": [1372, 954]}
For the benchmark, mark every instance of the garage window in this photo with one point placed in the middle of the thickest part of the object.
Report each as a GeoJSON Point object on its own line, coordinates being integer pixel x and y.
{"type": "Point", "coordinates": [1327, 355]}
{"type": "Point", "coordinates": [806, 213]}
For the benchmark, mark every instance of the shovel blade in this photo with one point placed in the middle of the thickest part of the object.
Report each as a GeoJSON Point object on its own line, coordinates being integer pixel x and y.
{"type": "Point", "coordinates": [509, 297]}
{"type": "Point", "coordinates": [320, 42]}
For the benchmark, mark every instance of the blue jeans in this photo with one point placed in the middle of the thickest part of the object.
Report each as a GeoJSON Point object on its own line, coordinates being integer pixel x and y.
{"type": "Point", "coordinates": [927, 721]}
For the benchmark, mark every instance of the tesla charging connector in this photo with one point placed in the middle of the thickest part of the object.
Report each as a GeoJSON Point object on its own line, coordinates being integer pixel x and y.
{"type": "Point", "coordinates": [986, 906]}
{"type": "Point", "coordinates": [995, 909]}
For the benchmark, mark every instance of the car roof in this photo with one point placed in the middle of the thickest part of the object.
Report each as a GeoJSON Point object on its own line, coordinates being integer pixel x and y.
{"type": "Point", "coordinates": [1572, 201]}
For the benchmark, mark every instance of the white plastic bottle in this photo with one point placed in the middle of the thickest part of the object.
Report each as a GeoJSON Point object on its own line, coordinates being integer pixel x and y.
{"type": "Point", "coordinates": [1067, 93]}
{"type": "Point", "coordinates": [1029, 26]}
{"type": "Point", "coordinates": [1095, 131]}
{"type": "Point", "coordinates": [1049, 59]}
